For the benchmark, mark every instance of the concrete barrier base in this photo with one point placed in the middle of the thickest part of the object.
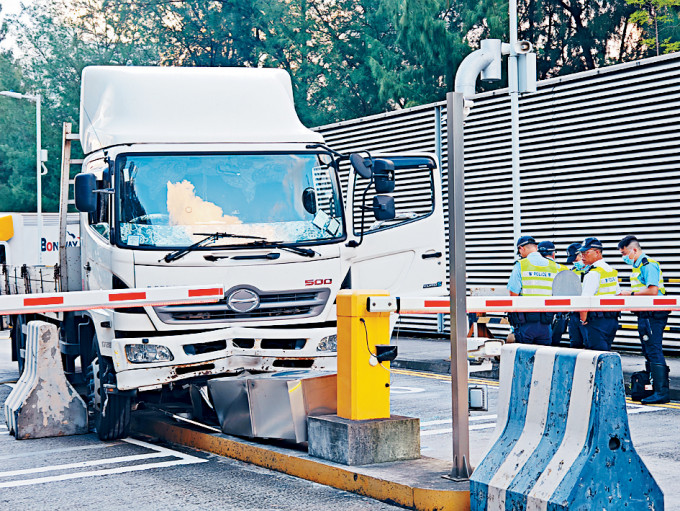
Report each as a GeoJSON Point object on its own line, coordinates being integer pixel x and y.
{"type": "Point", "coordinates": [43, 403]}
{"type": "Point", "coordinates": [363, 442]}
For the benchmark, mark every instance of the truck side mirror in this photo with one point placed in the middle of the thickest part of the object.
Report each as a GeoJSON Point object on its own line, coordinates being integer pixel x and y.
{"type": "Point", "coordinates": [86, 199]}
{"type": "Point", "coordinates": [309, 200]}
{"type": "Point", "coordinates": [383, 207]}
{"type": "Point", "coordinates": [359, 163]}
{"type": "Point", "coordinates": [383, 175]}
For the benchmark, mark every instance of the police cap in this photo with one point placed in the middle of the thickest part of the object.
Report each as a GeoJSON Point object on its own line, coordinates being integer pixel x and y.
{"type": "Point", "coordinates": [525, 240]}
{"type": "Point", "coordinates": [572, 250]}
{"type": "Point", "coordinates": [546, 248]}
{"type": "Point", "coordinates": [627, 241]}
{"type": "Point", "coordinates": [589, 243]}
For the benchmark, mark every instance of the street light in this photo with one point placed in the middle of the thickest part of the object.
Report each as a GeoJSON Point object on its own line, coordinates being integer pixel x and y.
{"type": "Point", "coordinates": [40, 157]}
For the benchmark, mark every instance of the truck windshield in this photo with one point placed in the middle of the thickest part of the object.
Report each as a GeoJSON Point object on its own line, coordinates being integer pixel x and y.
{"type": "Point", "coordinates": [171, 201]}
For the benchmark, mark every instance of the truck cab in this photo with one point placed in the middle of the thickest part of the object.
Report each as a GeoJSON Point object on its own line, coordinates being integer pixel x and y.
{"type": "Point", "coordinates": [206, 176]}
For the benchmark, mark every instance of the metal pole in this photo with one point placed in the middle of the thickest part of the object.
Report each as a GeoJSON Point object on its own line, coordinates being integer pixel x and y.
{"type": "Point", "coordinates": [514, 121]}
{"type": "Point", "coordinates": [38, 159]}
{"type": "Point", "coordinates": [457, 288]}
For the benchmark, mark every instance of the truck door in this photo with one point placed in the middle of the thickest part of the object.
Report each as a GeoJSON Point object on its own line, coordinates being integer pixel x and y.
{"type": "Point", "coordinates": [404, 255]}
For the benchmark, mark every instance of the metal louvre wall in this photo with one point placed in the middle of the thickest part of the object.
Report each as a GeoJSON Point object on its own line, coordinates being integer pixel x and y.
{"type": "Point", "coordinates": [600, 156]}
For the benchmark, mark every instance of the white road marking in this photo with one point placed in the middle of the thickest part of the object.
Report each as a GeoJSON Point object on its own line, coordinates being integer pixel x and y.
{"type": "Point", "coordinates": [631, 409]}
{"type": "Point", "coordinates": [406, 390]}
{"type": "Point", "coordinates": [184, 459]}
{"type": "Point", "coordinates": [54, 451]}
{"type": "Point", "coordinates": [448, 421]}
{"type": "Point", "coordinates": [431, 432]}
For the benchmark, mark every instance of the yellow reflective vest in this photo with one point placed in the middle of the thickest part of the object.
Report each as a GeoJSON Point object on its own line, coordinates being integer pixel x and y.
{"type": "Point", "coordinates": [537, 280]}
{"type": "Point", "coordinates": [608, 281]}
{"type": "Point", "coordinates": [635, 279]}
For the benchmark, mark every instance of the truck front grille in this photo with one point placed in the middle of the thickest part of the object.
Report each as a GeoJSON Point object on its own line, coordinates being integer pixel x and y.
{"type": "Point", "coordinates": [288, 304]}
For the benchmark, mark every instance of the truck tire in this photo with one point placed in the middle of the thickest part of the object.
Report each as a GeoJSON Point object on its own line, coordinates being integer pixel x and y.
{"type": "Point", "coordinates": [19, 340]}
{"type": "Point", "coordinates": [110, 412]}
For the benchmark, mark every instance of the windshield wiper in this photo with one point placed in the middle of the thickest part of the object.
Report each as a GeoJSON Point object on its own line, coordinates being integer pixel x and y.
{"type": "Point", "coordinates": [209, 238]}
{"type": "Point", "coordinates": [308, 252]}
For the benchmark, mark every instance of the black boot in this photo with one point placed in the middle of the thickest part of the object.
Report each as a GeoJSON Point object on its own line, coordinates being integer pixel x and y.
{"type": "Point", "coordinates": [660, 377]}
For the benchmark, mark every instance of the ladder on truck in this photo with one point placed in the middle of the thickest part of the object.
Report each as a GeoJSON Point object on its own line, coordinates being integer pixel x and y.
{"type": "Point", "coordinates": [69, 257]}
{"type": "Point", "coordinates": [65, 200]}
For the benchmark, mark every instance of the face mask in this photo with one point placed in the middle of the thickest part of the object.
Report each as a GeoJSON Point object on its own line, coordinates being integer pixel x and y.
{"type": "Point", "coordinates": [578, 265]}
{"type": "Point", "coordinates": [627, 260]}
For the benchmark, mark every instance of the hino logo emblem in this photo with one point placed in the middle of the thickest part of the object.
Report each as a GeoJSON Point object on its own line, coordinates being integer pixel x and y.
{"type": "Point", "coordinates": [243, 300]}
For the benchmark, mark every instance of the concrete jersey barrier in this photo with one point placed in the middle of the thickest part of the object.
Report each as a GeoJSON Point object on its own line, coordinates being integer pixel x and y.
{"type": "Point", "coordinates": [562, 439]}
{"type": "Point", "coordinates": [43, 403]}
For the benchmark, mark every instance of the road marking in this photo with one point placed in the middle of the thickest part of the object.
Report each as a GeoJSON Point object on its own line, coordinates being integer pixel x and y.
{"type": "Point", "coordinates": [55, 451]}
{"type": "Point", "coordinates": [494, 383]}
{"type": "Point", "coordinates": [474, 427]}
{"type": "Point", "coordinates": [184, 459]}
{"type": "Point", "coordinates": [443, 377]}
{"type": "Point", "coordinates": [448, 421]}
{"type": "Point", "coordinates": [630, 408]}
{"type": "Point", "coordinates": [406, 390]}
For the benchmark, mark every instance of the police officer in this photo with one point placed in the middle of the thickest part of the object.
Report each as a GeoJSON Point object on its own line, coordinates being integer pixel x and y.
{"type": "Point", "coordinates": [647, 279]}
{"type": "Point", "coordinates": [559, 325]}
{"type": "Point", "coordinates": [601, 279]}
{"type": "Point", "coordinates": [532, 275]}
{"type": "Point", "coordinates": [576, 330]}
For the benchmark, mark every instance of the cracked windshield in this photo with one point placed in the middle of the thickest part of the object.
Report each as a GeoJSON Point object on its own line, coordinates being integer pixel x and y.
{"type": "Point", "coordinates": [173, 201]}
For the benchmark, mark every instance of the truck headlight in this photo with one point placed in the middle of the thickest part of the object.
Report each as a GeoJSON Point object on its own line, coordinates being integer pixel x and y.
{"type": "Point", "coordinates": [145, 353]}
{"type": "Point", "coordinates": [329, 343]}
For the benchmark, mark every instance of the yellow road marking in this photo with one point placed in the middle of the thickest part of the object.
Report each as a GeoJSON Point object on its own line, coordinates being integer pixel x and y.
{"type": "Point", "coordinates": [493, 383]}
{"type": "Point", "coordinates": [443, 377]}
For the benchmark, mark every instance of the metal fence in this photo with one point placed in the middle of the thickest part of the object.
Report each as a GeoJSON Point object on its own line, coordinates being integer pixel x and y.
{"type": "Point", "coordinates": [600, 156]}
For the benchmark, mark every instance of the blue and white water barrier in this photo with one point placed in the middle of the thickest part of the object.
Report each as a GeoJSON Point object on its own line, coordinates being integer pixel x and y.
{"type": "Point", "coordinates": [562, 439]}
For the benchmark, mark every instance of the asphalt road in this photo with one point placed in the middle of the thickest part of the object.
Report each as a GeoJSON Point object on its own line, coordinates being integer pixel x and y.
{"type": "Point", "coordinates": [81, 472]}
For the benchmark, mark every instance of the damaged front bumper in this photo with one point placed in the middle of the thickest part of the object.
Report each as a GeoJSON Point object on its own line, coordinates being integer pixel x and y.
{"type": "Point", "coordinates": [223, 351]}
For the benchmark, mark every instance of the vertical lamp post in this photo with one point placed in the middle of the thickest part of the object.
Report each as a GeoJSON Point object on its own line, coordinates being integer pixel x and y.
{"type": "Point", "coordinates": [38, 159]}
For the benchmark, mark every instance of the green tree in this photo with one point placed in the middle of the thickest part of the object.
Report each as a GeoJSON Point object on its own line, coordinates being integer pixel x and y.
{"type": "Point", "coordinates": [17, 139]}
{"type": "Point", "coordinates": [659, 21]}
{"type": "Point", "coordinates": [572, 36]}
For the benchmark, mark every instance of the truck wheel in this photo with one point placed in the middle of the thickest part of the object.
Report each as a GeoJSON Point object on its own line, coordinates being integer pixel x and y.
{"type": "Point", "coordinates": [19, 340]}
{"type": "Point", "coordinates": [111, 412]}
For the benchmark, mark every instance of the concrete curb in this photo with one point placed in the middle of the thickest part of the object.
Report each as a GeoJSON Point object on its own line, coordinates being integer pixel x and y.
{"type": "Point", "coordinates": [442, 366]}
{"type": "Point", "coordinates": [416, 484]}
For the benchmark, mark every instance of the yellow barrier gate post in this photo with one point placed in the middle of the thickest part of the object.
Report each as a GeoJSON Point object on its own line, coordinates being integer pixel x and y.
{"type": "Point", "coordinates": [363, 431]}
{"type": "Point", "coordinates": [363, 383]}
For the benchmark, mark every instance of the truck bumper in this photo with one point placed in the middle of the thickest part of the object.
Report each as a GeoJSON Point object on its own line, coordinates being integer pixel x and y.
{"type": "Point", "coordinates": [219, 352]}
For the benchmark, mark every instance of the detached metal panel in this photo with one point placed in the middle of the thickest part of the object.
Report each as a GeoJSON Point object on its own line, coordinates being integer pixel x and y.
{"type": "Point", "coordinates": [600, 156]}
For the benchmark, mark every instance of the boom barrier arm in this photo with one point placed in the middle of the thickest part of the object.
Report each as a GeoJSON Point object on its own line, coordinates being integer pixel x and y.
{"type": "Point", "coordinates": [481, 304]}
{"type": "Point", "coordinates": [106, 299]}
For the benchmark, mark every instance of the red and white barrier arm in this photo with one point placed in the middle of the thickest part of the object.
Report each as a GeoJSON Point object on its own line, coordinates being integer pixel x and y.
{"type": "Point", "coordinates": [405, 305]}
{"type": "Point", "coordinates": [107, 299]}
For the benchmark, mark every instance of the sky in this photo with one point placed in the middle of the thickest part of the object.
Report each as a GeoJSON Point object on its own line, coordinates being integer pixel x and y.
{"type": "Point", "coordinates": [11, 7]}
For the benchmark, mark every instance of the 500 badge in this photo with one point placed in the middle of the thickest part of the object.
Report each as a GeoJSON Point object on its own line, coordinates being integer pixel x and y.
{"type": "Point", "coordinates": [318, 282]}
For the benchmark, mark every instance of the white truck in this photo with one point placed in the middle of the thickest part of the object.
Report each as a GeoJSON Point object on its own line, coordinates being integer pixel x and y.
{"type": "Point", "coordinates": [206, 175]}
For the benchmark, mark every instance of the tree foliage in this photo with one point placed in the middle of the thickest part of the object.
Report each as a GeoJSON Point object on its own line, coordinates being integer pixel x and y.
{"type": "Point", "coordinates": [347, 58]}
